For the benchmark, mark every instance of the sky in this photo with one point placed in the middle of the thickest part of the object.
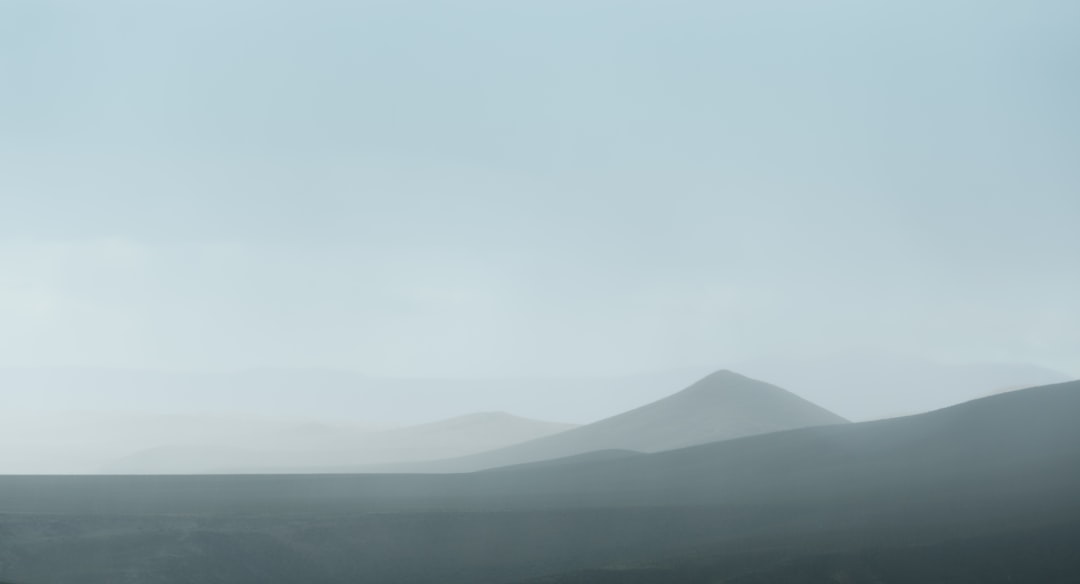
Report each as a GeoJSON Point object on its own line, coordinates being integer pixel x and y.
{"type": "Point", "coordinates": [493, 188]}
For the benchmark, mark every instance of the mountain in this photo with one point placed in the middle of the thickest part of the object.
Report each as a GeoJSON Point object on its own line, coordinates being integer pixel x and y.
{"type": "Point", "coordinates": [1020, 441]}
{"type": "Point", "coordinates": [721, 406]}
{"type": "Point", "coordinates": [983, 491]}
{"type": "Point", "coordinates": [300, 448]}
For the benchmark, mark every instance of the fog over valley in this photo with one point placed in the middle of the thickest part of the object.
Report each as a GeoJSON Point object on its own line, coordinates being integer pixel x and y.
{"type": "Point", "coordinates": [77, 421]}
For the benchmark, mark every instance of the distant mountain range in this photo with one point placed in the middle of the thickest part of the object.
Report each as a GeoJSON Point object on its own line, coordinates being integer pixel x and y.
{"type": "Point", "coordinates": [858, 386]}
{"type": "Point", "coordinates": [78, 421]}
{"type": "Point", "coordinates": [310, 446]}
{"type": "Point", "coordinates": [983, 491]}
{"type": "Point", "coordinates": [292, 420]}
{"type": "Point", "coordinates": [1003, 445]}
{"type": "Point", "coordinates": [84, 442]}
{"type": "Point", "coordinates": [721, 406]}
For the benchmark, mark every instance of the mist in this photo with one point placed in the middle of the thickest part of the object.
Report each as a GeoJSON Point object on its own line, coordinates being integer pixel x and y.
{"type": "Point", "coordinates": [508, 190]}
{"type": "Point", "coordinates": [525, 292]}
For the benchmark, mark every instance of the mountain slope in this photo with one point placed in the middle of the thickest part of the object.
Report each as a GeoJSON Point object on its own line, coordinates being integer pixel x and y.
{"type": "Point", "coordinates": [1026, 441]}
{"type": "Point", "coordinates": [722, 406]}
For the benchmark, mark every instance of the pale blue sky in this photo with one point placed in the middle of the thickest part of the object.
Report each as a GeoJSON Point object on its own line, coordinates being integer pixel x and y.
{"type": "Point", "coordinates": [528, 188]}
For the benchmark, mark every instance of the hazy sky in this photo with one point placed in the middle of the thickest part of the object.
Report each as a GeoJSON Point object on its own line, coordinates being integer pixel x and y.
{"type": "Point", "coordinates": [536, 187]}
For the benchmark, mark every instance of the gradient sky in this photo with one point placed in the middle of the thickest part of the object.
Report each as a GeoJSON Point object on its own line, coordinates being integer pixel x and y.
{"type": "Point", "coordinates": [477, 188]}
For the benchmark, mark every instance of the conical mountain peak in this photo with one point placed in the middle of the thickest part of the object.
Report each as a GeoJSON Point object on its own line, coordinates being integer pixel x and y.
{"type": "Point", "coordinates": [739, 390]}
{"type": "Point", "coordinates": [720, 406]}
{"type": "Point", "coordinates": [722, 379]}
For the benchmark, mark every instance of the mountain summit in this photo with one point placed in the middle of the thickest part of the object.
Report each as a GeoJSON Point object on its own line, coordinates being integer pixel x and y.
{"type": "Point", "coordinates": [721, 406]}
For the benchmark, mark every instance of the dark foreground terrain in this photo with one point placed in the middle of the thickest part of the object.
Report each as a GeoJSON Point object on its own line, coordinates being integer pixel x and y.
{"type": "Point", "coordinates": [1047, 555]}
{"type": "Point", "coordinates": [981, 492]}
